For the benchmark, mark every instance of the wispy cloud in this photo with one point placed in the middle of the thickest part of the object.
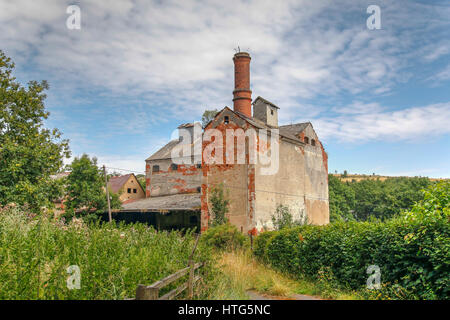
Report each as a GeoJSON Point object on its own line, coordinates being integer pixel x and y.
{"type": "Point", "coordinates": [411, 124]}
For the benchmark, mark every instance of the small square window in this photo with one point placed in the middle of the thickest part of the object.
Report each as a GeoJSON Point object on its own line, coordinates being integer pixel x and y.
{"type": "Point", "coordinates": [226, 120]}
{"type": "Point", "coordinates": [134, 190]}
{"type": "Point", "coordinates": [174, 167]}
{"type": "Point", "coordinates": [199, 165]}
{"type": "Point", "coordinates": [271, 112]}
{"type": "Point", "coordinates": [129, 190]}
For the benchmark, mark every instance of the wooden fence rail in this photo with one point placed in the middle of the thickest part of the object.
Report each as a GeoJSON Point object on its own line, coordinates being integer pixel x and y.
{"type": "Point", "coordinates": [151, 292]}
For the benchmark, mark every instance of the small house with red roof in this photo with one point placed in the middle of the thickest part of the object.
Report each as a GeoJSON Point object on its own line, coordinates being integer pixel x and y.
{"type": "Point", "coordinates": [127, 186]}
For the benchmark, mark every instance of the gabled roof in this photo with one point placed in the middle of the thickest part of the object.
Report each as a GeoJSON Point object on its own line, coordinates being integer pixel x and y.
{"type": "Point", "coordinates": [166, 151]}
{"type": "Point", "coordinates": [265, 101]}
{"type": "Point", "coordinates": [116, 183]}
{"type": "Point", "coordinates": [287, 131]}
{"type": "Point", "coordinates": [292, 130]}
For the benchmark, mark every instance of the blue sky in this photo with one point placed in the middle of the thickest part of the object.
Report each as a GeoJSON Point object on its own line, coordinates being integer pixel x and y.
{"type": "Point", "coordinates": [378, 99]}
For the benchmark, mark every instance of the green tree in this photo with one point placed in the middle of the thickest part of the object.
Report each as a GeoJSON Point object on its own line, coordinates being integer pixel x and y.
{"type": "Point", "coordinates": [341, 199]}
{"type": "Point", "coordinates": [29, 152]}
{"type": "Point", "coordinates": [85, 189]}
{"type": "Point", "coordinates": [207, 116]}
{"type": "Point", "coordinates": [141, 179]}
{"type": "Point", "coordinates": [219, 205]}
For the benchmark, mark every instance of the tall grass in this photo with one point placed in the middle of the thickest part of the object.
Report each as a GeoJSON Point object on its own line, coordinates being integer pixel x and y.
{"type": "Point", "coordinates": [35, 253]}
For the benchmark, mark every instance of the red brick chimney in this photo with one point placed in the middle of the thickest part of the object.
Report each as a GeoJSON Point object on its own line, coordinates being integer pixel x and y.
{"type": "Point", "coordinates": [242, 95]}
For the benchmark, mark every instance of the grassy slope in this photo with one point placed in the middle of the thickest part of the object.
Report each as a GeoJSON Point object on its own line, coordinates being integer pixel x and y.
{"type": "Point", "coordinates": [241, 272]}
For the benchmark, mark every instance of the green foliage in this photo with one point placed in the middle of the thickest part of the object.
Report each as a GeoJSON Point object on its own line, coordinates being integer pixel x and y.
{"type": "Point", "coordinates": [368, 199]}
{"type": "Point", "coordinates": [29, 152]}
{"type": "Point", "coordinates": [411, 250]}
{"type": "Point", "coordinates": [282, 218]}
{"type": "Point", "coordinates": [341, 200]}
{"type": "Point", "coordinates": [113, 259]}
{"type": "Point", "coordinates": [85, 189]}
{"type": "Point", "coordinates": [207, 116]}
{"type": "Point", "coordinates": [260, 245]}
{"type": "Point", "coordinates": [224, 237]}
{"type": "Point", "coordinates": [141, 179]}
{"type": "Point", "coordinates": [219, 205]}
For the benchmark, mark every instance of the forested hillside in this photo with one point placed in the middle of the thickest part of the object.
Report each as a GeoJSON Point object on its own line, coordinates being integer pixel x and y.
{"type": "Point", "coordinates": [373, 199]}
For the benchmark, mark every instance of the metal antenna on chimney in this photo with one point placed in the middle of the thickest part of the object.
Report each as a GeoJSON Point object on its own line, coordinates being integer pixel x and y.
{"type": "Point", "coordinates": [237, 50]}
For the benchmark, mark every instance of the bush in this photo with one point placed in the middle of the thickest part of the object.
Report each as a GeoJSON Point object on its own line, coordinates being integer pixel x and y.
{"type": "Point", "coordinates": [411, 250]}
{"type": "Point", "coordinates": [260, 245]}
{"type": "Point", "coordinates": [219, 205]}
{"type": "Point", "coordinates": [35, 252]}
{"type": "Point", "coordinates": [224, 237]}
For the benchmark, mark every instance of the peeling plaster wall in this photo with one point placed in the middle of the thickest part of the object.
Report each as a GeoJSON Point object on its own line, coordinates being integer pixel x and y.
{"type": "Point", "coordinates": [186, 179]}
{"type": "Point", "coordinates": [238, 179]}
{"type": "Point", "coordinates": [301, 183]}
{"type": "Point", "coordinates": [285, 187]}
{"type": "Point", "coordinates": [316, 180]}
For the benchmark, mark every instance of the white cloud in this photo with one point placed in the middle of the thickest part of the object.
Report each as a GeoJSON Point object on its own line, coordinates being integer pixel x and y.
{"type": "Point", "coordinates": [181, 50]}
{"type": "Point", "coordinates": [411, 124]}
{"type": "Point", "coordinates": [172, 59]}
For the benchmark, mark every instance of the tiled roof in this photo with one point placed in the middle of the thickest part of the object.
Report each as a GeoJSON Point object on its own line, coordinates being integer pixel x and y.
{"type": "Point", "coordinates": [265, 101]}
{"type": "Point", "coordinates": [116, 183]}
{"type": "Point", "coordinates": [166, 151]}
{"type": "Point", "coordinates": [291, 131]}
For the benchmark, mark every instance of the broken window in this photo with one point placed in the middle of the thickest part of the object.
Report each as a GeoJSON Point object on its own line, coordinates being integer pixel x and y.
{"type": "Point", "coordinates": [155, 168]}
{"type": "Point", "coordinates": [306, 140]}
{"type": "Point", "coordinates": [313, 142]}
{"type": "Point", "coordinates": [226, 120]}
{"type": "Point", "coordinates": [174, 167]}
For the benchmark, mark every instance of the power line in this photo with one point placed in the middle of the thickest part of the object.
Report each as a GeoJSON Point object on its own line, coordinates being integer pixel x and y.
{"type": "Point", "coordinates": [126, 170]}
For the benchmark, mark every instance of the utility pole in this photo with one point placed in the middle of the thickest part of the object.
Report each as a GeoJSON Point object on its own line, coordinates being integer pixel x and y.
{"type": "Point", "coordinates": [107, 194]}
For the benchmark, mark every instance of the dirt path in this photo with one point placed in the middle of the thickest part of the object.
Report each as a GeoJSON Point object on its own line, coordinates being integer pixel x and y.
{"type": "Point", "coordinates": [257, 296]}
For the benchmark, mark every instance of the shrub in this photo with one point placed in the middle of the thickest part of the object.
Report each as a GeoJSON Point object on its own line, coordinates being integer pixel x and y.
{"type": "Point", "coordinates": [224, 237]}
{"type": "Point", "coordinates": [259, 248]}
{"type": "Point", "coordinates": [282, 218]}
{"type": "Point", "coordinates": [411, 250]}
{"type": "Point", "coordinates": [35, 252]}
{"type": "Point", "coordinates": [219, 205]}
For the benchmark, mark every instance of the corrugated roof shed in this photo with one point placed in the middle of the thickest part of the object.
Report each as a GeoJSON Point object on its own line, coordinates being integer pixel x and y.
{"type": "Point", "coordinates": [189, 201]}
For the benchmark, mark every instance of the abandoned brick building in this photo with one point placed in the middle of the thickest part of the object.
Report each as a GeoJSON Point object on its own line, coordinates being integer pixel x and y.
{"type": "Point", "coordinates": [300, 181]}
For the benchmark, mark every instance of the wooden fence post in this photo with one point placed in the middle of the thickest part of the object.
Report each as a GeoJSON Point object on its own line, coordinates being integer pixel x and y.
{"type": "Point", "coordinates": [191, 270]}
{"type": "Point", "coordinates": [146, 293]}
